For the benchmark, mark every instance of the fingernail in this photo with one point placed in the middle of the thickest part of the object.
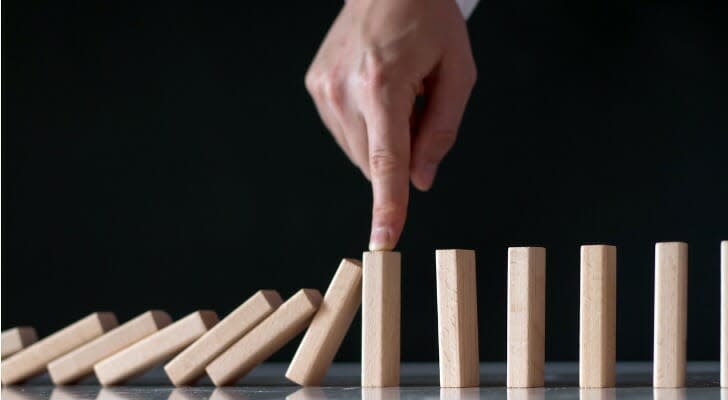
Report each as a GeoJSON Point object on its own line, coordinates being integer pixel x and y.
{"type": "Point", "coordinates": [380, 239]}
{"type": "Point", "coordinates": [427, 174]}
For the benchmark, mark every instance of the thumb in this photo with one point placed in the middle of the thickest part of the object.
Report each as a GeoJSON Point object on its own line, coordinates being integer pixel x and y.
{"type": "Point", "coordinates": [448, 92]}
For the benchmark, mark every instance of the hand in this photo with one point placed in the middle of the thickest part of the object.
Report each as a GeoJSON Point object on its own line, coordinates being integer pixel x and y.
{"type": "Point", "coordinates": [377, 57]}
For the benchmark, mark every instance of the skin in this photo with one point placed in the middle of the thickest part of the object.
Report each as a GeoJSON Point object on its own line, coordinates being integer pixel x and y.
{"type": "Point", "coordinates": [378, 56]}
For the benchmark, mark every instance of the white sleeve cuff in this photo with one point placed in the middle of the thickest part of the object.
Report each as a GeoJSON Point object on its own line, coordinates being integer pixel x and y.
{"type": "Point", "coordinates": [466, 7]}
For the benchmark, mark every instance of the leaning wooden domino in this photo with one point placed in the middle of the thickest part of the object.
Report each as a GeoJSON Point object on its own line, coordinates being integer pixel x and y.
{"type": "Point", "coordinates": [597, 316]}
{"type": "Point", "coordinates": [190, 364]}
{"type": "Point", "coordinates": [671, 314]}
{"type": "Point", "coordinates": [526, 316]}
{"type": "Point", "coordinates": [328, 327]}
{"type": "Point", "coordinates": [80, 362]}
{"type": "Point", "coordinates": [33, 360]}
{"type": "Point", "coordinates": [16, 339]}
{"type": "Point", "coordinates": [380, 319]}
{"type": "Point", "coordinates": [154, 349]}
{"type": "Point", "coordinates": [457, 318]}
{"type": "Point", "coordinates": [266, 338]}
{"type": "Point", "coordinates": [724, 314]}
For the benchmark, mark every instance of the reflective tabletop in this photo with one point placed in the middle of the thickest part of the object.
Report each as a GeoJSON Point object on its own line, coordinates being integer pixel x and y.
{"type": "Point", "coordinates": [418, 380]}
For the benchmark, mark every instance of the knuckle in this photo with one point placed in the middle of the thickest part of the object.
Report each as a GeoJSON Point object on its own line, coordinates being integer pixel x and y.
{"type": "Point", "coordinates": [332, 89]}
{"type": "Point", "coordinates": [383, 162]}
{"type": "Point", "coordinates": [374, 73]}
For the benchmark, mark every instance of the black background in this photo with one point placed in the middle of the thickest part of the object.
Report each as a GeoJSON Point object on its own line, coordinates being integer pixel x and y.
{"type": "Point", "coordinates": [168, 156]}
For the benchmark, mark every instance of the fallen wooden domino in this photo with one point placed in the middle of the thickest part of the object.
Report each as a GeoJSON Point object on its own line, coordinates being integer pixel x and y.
{"type": "Point", "coordinates": [526, 317]}
{"type": "Point", "coordinates": [457, 318]}
{"type": "Point", "coordinates": [380, 319]}
{"type": "Point", "coordinates": [16, 339]}
{"type": "Point", "coordinates": [80, 362]}
{"type": "Point", "coordinates": [154, 349]}
{"type": "Point", "coordinates": [671, 314]}
{"type": "Point", "coordinates": [266, 338]}
{"type": "Point", "coordinates": [33, 359]}
{"type": "Point", "coordinates": [328, 327]}
{"type": "Point", "coordinates": [190, 364]}
{"type": "Point", "coordinates": [724, 314]}
{"type": "Point", "coordinates": [598, 316]}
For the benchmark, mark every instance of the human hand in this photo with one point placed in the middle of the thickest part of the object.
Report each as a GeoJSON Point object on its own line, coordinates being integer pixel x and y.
{"type": "Point", "coordinates": [376, 58]}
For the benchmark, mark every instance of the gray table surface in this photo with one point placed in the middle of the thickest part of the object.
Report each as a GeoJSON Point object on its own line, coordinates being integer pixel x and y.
{"type": "Point", "coordinates": [419, 381]}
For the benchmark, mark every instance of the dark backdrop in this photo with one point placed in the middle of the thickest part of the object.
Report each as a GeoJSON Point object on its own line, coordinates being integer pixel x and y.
{"type": "Point", "coordinates": [169, 157]}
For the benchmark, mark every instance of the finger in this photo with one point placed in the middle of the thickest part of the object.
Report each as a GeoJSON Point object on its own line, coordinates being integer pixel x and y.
{"type": "Point", "coordinates": [387, 119]}
{"type": "Point", "coordinates": [448, 93]}
{"type": "Point", "coordinates": [333, 125]}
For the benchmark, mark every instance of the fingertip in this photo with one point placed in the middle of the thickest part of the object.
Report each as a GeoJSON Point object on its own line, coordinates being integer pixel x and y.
{"type": "Point", "coordinates": [381, 239]}
{"type": "Point", "coordinates": [423, 176]}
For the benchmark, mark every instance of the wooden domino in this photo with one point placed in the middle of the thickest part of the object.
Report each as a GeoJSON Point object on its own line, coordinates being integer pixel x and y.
{"type": "Point", "coordinates": [154, 349]}
{"type": "Point", "coordinates": [328, 327]}
{"type": "Point", "coordinates": [526, 316]}
{"type": "Point", "coordinates": [266, 338]}
{"type": "Point", "coordinates": [671, 314]}
{"type": "Point", "coordinates": [457, 318]}
{"type": "Point", "coordinates": [80, 362]}
{"type": "Point", "coordinates": [34, 359]}
{"type": "Point", "coordinates": [724, 314]}
{"type": "Point", "coordinates": [16, 339]}
{"type": "Point", "coordinates": [380, 319]}
{"type": "Point", "coordinates": [597, 316]}
{"type": "Point", "coordinates": [190, 364]}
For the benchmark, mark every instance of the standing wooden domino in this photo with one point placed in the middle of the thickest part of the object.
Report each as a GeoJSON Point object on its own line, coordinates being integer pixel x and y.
{"type": "Point", "coordinates": [154, 349]}
{"type": "Point", "coordinates": [526, 316]}
{"type": "Point", "coordinates": [457, 318]}
{"type": "Point", "coordinates": [266, 338]}
{"type": "Point", "coordinates": [380, 319]}
{"type": "Point", "coordinates": [598, 316]}
{"type": "Point", "coordinates": [33, 360]}
{"type": "Point", "coordinates": [16, 339]}
{"type": "Point", "coordinates": [671, 314]}
{"type": "Point", "coordinates": [80, 362]}
{"type": "Point", "coordinates": [724, 314]}
{"type": "Point", "coordinates": [190, 364]}
{"type": "Point", "coordinates": [328, 327]}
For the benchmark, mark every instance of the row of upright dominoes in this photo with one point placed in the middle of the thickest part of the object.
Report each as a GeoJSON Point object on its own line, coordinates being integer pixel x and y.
{"type": "Point", "coordinates": [227, 350]}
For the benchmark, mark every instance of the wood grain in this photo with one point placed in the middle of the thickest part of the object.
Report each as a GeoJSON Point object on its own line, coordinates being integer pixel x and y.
{"type": "Point", "coordinates": [457, 318]}
{"type": "Point", "coordinates": [265, 339]}
{"type": "Point", "coordinates": [328, 327]}
{"type": "Point", "coordinates": [154, 349]}
{"type": "Point", "coordinates": [597, 316]}
{"type": "Point", "coordinates": [34, 359]}
{"type": "Point", "coordinates": [190, 364]}
{"type": "Point", "coordinates": [526, 316]}
{"type": "Point", "coordinates": [381, 319]}
{"type": "Point", "coordinates": [671, 314]}
{"type": "Point", "coordinates": [16, 339]}
{"type": "Point", "coordinates": [80, 362]}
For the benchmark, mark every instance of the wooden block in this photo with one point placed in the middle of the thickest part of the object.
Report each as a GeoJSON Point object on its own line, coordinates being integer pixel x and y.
{"type": "Point", "coordinates": [526, 316]}
{"type": "Point", "coordinates": [16, 339]}
{"type": "Point", "coordinates": [597, 394]}
{"type": "Point", "coordinates": [154, 348]}
{"type": "Point", "coordinates": [380, 319]}
{"type": "Point", "coordinates": [671, 314]}
{"type": "Point", "coordinates": [457, 318]}
{"type": "Point", "coordinates": [266, 338]}
{"type": "Point", "coordinates": [328, 327]}
{"type": "Point", "coordinates": [33, 360]}
{"type": "Point", "coordinates": [597, 316]}
{"type": "Point", "coordinates": [724, 314]}
{"type": "Point", "coordinates": [80, 362]}
{"type": "Point", "coordinates": [190, 364]}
